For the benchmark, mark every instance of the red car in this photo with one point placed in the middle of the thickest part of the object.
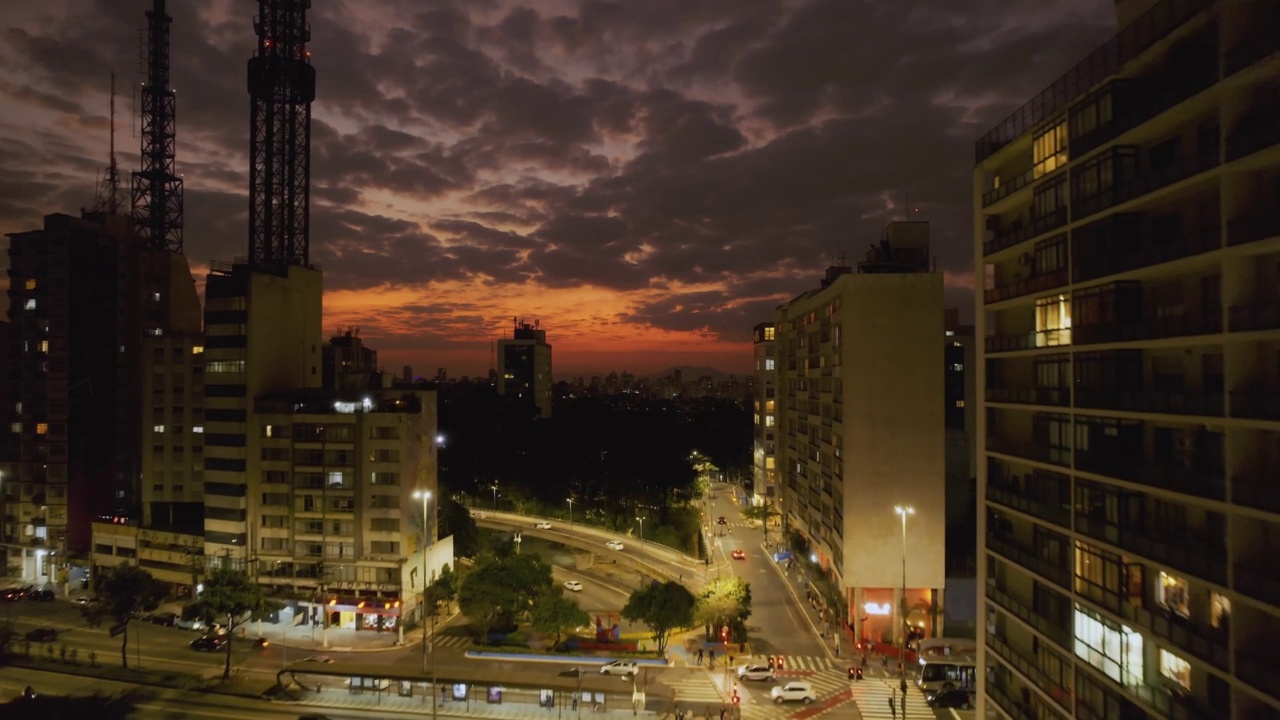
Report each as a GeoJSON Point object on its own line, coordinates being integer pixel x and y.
{"type": "Point", "coordinates": [739, 555]}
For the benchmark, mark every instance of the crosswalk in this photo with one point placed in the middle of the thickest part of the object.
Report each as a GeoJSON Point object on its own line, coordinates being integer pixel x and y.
{"type": "Point", "coordinates": [696, 688]}
{"type": "Point", "coordinates": [872, 697]}
{"type": "Point", "coordinates": [454, 641]}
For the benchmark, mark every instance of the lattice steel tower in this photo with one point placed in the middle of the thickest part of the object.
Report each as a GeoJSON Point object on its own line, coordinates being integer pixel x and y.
{"type": "Point", "coordinates": [282, 85]}
{"type": "Point", "coordinates": [157, 188]}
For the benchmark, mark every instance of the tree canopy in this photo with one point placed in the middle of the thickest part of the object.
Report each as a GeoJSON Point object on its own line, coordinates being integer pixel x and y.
{"type": "Point", "coordinates": [554, 613]}
{"type": "Point", "coordinates": [231, 598]}
{"type": "Point", "coordinates": [126, 591]}
{"type": "Point", "coordinates": [725, 601]}
{"type": "Point", "coordinates": [500, 589]}
{"type": "Point", "coordinates": [456, 520]}
{"type": "Point", "coordinates": [662, 608]}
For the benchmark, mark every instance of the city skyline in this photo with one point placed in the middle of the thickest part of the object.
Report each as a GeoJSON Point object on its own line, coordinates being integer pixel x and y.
{"type": "Point", "coordinates": [648, 181]}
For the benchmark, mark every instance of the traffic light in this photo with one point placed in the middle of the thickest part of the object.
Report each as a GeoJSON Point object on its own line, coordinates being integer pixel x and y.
{"type": "Point", "coordinates": [781, 662]}
{"type": "Point", "coordinates": [736, 698]}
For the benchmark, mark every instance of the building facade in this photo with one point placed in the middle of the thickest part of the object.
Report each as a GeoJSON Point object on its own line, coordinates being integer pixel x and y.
{"type": "Point", "coordinates": [1126, 220]}
{"type": "Point", "coordinates": [524, 368]}
{"type": "Point", "coordinates": [860, 416]}
{"type": "Point", "coordinates": [345, 355]}
{"type": "Point", "coordinates": [765, 415]}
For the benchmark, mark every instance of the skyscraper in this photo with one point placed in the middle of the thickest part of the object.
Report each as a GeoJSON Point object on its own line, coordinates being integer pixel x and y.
{"type": "Point", "coordinates": [764, 456]}
{"type": "Point", "coordinates": [524, 368]}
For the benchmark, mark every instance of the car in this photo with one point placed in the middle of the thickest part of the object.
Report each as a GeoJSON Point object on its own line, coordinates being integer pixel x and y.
{"type": "Point", "coordinates": [84, 600]}
{"type": "Point", "coordinates": [479, 514]}
{"type": "Point", "coordinates": [625, 668]}
{"type": "Point", "coordinates": [739, 555]}
{"type": "Point", "coordinates": [794, 690]}
{"type": "Point", "coordinates": [613, 545]}
{"type": "Point", "coordinates": [755, 672]}
{"type": "Point", "coordinates": [41, 595]}
{"type": "Point", "coordinates": [183, 623]}
{"type": "Point", "coordinates": [10, 594]}
{"type": "Point", "coordinates": [42, 635]}
{"type": "Point", "coordinates": [208, 643]}
{"type": "Point", "coordinates": [543, 525]}
{"type": "Point", "coordinates": [167, 619]}
{"type": "Point", "coordinates": [317, 659]}
{"type": "Point", "coordinates": [952, 698]}
{"type": "Point", "coordinates": [721, 521]}
{"type": "Point", "coordinates": [573, 585]}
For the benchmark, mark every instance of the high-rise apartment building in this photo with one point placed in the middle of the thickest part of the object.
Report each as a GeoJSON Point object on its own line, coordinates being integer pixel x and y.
{"type": "Point", "coordinates": [524, 367]}
{"type": "Point", "coordinates": [345, 356]}
{"type": "Point", "coordinates": [860, 431]}
{"type": "Point", "coordinates": [958, 409]}
{"type": "Point", "coordinates": [764, 456]}
{"type": "Point", "coordinates": [1127, 222]}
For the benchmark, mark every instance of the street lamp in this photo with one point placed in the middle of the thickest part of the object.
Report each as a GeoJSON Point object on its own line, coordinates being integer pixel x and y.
{"type": "Point", "coordinates": [495, 495]}
{"type": "Point", "coordinates": [641, 528]}
{"type": "Point", "coordinates": [903, 511]}
{"type": "Point", "coordinates": [570, 500]}
{"type": "Point", "coordinates": [425, 497]}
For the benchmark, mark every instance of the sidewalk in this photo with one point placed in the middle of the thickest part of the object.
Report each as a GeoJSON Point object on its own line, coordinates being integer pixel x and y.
{"type": "Point", "coordinates": [514, 704]}
{"type": "Point", "coordinates": [310, 639]}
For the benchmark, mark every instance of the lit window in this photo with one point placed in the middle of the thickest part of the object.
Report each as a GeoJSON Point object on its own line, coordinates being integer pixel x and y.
{"type": "Point", "coordinates": [196, 350]}
{"type": "Point", "coordinates": [157, 428]}
{"type": "Point", "coordinates": [31, 304]}
{"type": "Point", "coordinates": [768, 364]}
{"type": "Point", "coordinates": [42, 428]}
{"type": "Point", "coordinates": [155, 297]}
{"type": "Point", "coordinates": [957, 366]}
{"type": "Point", "coordinates": [1219, 610]}
{"type": "Point", "coordinates": [955, 344]}
{"type": "Point", "coordinates": [1053, 321]}
{"type": "Point", "coordinates": [950, 333]}
{"type": "Point", "coordinates": [959, 403]}
{"type": "Point", "coordinates": [156, 332]}
{"type": "Point", "coordinates": [1175, 668]}
{"type": "Point", "coordinates": [15, 427]}
{"type": "Point", "coordinates": [44, 346]}
{"type": "Point", "coordinates": [31, 284]}
{"type": "Point", "coordinates": [768, 421]}
{"type": "Point", "coordinates": [1172, 594]}
{"type": "Point", "coordinates": [768, 333]}
{"type": "Point", "coordinates": [197, 428]}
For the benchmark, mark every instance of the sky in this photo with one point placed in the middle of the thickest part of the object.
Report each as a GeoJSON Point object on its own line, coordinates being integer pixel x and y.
{"type": "Point", "coordinates": [648, 179]}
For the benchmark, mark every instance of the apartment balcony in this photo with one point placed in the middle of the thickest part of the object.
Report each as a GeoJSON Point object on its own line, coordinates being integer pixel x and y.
{"type": "Point", "coordinates": [1151, 105]}
{"type": "Point", "coordinates": [1259, 316]}
{"type": "Point", "coordinates": [1181, 553]}
{"type": "Point", "coordinates": [1153, 179]}
{"type": "Point", "coordinates": [1029, 396]}
{"type": "Point", "coordinates": [1019, 232]}
{"type": "Point", "coordinates": [1029, 450]}
{"type": "Point", "coordinates": [1154, 253]}
{"type": "Point", "coordinates": [1008, 188]}
{"type": "Point", "coordinates": [1149, 328]}
{"type": "Point", "coordinates": [1250, 52]}
{"type": "Point", "coordinates": [1027, 558]}
{"type": "Point", "coordinates": [1260, 672]}
{"type": "Point", "coordinates": [1030, 669]}
{"type": "Point", "coordinates": [1256, 404]}
{"type": "Point", "coordinates": [1171, 402]}
{"type": "Point", "coordinates": [1199, 480]}
{"type": "Point", "coordinates": [1056, 514]}
{"type": "Point", "coordinates": [1258, 581]}
{"type": "Point", "coordinates": [1257, 490]}
{"type": "Point", "coordinates": [1060, 635]}
{"type": "Point", "coordinates": [1027, 286]}
{"type": "Point", "coordinates": [1253, 227]}
{"type": "Point", "coordinates": [1028, 340]}
{"type": "Point", "coordinates": [1253, 134]}
{"type": "Point", "coordinates": [1208, 644]}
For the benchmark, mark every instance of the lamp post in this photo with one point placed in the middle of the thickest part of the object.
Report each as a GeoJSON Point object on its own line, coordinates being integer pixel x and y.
{"type": "Point", "coordinates": [495, 495]}
{"type": "Point", "coordinates": [425, 497]}
{"type": "Point", "coordinates": [641, 519]}
{"type": "Point", "coordinates": [903, 511]}
{"type": "Point", "coordinates": [570, 511]}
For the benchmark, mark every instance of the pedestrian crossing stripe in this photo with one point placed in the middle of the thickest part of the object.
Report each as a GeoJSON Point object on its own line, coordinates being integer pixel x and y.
{"type": "Point", "coordinates": [872, 697]}
{"type": "Point", "coordinates": [456, 641]}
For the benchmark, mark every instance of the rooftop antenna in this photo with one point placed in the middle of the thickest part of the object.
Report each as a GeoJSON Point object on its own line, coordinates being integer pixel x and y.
{"type": "Point", "coordinates": [157, 188]}
{"type": "Point", "coordinates": [108, 200]}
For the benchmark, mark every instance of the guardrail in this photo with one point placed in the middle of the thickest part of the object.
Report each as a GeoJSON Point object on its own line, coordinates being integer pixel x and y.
{"type": "Point", "coordinates": [602, 532]}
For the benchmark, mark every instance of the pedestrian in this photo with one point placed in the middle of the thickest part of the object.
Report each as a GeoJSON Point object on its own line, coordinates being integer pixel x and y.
{"type": "Point", "coordinates": [575, 702]}
{"type": "Point", "coordinates": [679, 713]}
{"type": "Point", "coordinates": [893, 710]}
{"type": "Point", "coordinates": [884, 663]}
{"type": "Point", "coordinates": [444, 695]}
{"type": "Point", "coordinates": [711, 658]}
{"type": "Point", "coordinates": [699, 656]}
{"type": "Point", "coordinates": [723, 712]}
{"type": "Point", "coordinates": [730, 659]}
{"type": "Point", "coordinates": [771, 663]}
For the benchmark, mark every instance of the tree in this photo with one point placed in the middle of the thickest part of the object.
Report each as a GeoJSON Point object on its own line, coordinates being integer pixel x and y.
{"type": "Point", "coordinates": [445, 587]}
{"type": "Point", "coordinates": [127, 590]}
{"type": "Point", "coordinates": [764, 513]}
{"type": "Point", "coordinates": [232, 599]}
{"type": "Point", "coordinates": [554, 613]}
{"type": "Point", "coordinates": [662, 608]}
{"type": "Point", "coordinates": [499, 590]}
{"type": "Point", "coordinates": [725, 601]}
{"type": "Point", "coordinates": [456, 520]}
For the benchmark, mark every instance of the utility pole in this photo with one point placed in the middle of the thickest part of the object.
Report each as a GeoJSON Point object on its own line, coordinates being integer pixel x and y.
{"type": "Point", "coordinates": [904, 511]}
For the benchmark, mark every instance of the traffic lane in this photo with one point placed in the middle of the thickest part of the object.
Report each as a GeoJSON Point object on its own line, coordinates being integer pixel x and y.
{"type": "Point", "coordinates": [598, 595]}
{"type": "Point", "coordinates": [585, 537]}
{"type": "Point", "coordinates": [777, 624]}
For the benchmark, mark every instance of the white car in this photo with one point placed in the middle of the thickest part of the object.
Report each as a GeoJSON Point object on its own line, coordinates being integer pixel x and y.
{"type": "Point", "coordinates": [625, 668]}
{"type": "Point", "coordinates": [613, 545]}
{"type": "Point", "coordinates": [192, 624]}
{"type": "Point", "coordinates": [544, 525]}
{"type": "Point", "coordinates": [794, 690]}
{"type": "Point", "coordinates": [755, 672]}
{"type": "Point", "coordinates": [573, 585]}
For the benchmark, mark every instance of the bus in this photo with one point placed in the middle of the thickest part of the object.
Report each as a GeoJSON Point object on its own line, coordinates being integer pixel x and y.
{"type": "Point", "coordinates": [936, 673]}
{"type": "Point", "coordinates": [935, 647]}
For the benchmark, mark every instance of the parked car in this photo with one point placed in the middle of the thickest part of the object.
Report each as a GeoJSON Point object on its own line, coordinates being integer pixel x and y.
{"type": "Point", "coordinates": [613, 545]}
{"type": "Point", "coordinates": [755, 672]}
{"type": "Point", "coordinates": [84, 600]}
{"type": "Point", "coordinates": [189, 623]}
{"type": "Point", "coordinates": [792, 691]}
{"type": "Point", "coordinates": [542, 525]}
{"type": "Point", "coordinates": [953, 698]}
{"type": "Point", "coordinates": [208, 643]}
{"type": "Point", "coordinates": [167, 619]}
{"type": "Point", "coordinates": [41, 595]}
{"type": "Point", "coordinates": [42, 635]}
{"type": "Point", "coordinates": [573, 586]}
{"type": "Point", "coordinates": [625, 668]}
{"type": "Point", "coordinates": [739, 555]}
{"type": "Point", "coordinates": [11, 594]}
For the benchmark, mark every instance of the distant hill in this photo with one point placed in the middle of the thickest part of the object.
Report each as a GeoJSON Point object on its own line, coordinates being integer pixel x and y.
{"type": "Point", "coordinates": [691, 372]}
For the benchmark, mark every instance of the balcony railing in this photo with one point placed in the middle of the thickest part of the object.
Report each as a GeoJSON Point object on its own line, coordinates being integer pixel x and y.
{"type": "Point", "coordinates": [1256, 404]}
{"type": "Point", "coordinates": [1058, 514]}
{"type": "Point", "coordinates": [1201, 480]}
{"type": "Point", "coordinates": [1028, 340]}
{"type": "Point", "coordinates": [1260, 316]}
{"type": "Point", "coordinates": [1023, 556]}
{"type": "Point", "coordinates": [1033, 284]}
{"type": "Point", "coordinates": [1153, 179]}
{"type": "Point", "coordinates": [1019, 231]}
{"type": "Point", "coordinates": [1260, 672]}
{"type": "Point", "coordinates": [1060, 635]}
{"type": "Point", "coordinates": [1251, 51]}
{"type": "Point", "coordinates": [1257, 490]}
{"type": "Point", "coordinates": [1149, 328]}
{"type": "Point", "coordinates": [1029, 395]}
{"type": "Point", "coordinates": [1152, 106]}
{"type": "Point", "coordinates": [1029, 450]}
{"type": "Point", "coordinates": [1030, 669]}
{"type": "Point", "coordinates": [1207, 644]}
{"type": "Point", "coordinates": [1151, 254]}
{"type": "Point", "coordinates": [1253, 227]}
{"type": "Point", "coordinates": [1173, 402]}
{"type": "Point", "coordinates": [1255, 580]}
{"type": "Point", "coordinates": [1008, 187]}
{"type": "Point", "coordinates": [1181, 553]}
{"type": "Point", "coordinates": [1252, 135]}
